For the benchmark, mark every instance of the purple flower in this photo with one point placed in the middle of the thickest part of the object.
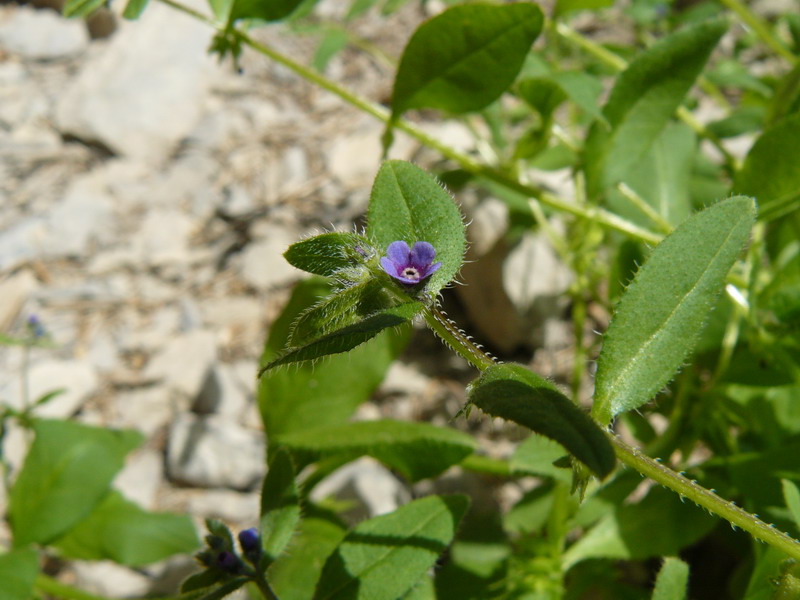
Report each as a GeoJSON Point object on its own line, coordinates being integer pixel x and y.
{"type": "Point", "coordinates": [410, 265]}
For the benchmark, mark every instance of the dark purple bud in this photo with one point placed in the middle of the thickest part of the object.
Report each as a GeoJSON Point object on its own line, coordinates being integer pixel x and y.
{"type": "Point", "coordinates": [410, 265]}
{"type": "Point", "coordinates": [249, 540]}
{"type": "Point", "coordinates": [35, 327]}
{"type": "Point", "coordinates": [228, 561]}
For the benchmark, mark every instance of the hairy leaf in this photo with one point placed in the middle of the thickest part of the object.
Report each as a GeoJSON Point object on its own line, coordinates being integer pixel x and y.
{"type": "Point", "coordinates": [466, 57]}
{"type": "Point", "coordinates": [672, 580]}
{"type": "Point", "coordinates": [328, 253]}
{"type": "Point", "coordinates": [517, 394]}
{"type": "Point", "coordinates": [408, 204]}
{"type": "Point", "coordinates": [280, 505]}
{"type": "Point", "coordinates": [383, 557]}
{"type": "Point", "coordinates": [660, 315]}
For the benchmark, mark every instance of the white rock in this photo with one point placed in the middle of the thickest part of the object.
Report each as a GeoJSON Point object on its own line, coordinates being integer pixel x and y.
{"type": "Point", "coordinates": [221, 394]}
{"type": "Point", "coordinates": [402, 379]}
{"type": "Point", "coordinates": [77, 378]}
{"type": "Point", "coordinates": [354, 157]}
{"type": "Point", "coordinates": [141, 477]}
{"type": "Point", "coordinates": [42, 34]}
{"type": "Point", "coordinates": [146, 410]}
{"type": "Point", "coordinates": [106, 578]}
{"type": "Point", "coordinates": [367, 481]}
{"type": "Point", "coordinates": [142, 93]}
{"type": "Point", "coordinates": [263, 265]}
{"type": "Point", "coordinates": [534, 277]}
{"type": "Point", "coordinates": [14, 291]}
{"type": "Point", "coordinates": [183, 363]}
{"type": "Point", "coordinates": [236, 507]}
{"type": "Point", "coordinates": [164, 237]}
{"type": "Point", "coordinates": [211, 451]}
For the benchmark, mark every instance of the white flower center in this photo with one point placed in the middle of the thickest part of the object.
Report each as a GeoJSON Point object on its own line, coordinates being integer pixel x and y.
{"type": "Point", "coordinates": [411, 273]}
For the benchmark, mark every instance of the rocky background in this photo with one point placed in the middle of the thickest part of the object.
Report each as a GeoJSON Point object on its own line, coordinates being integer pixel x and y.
{"type": "Point", "coordinates": [146, 195]}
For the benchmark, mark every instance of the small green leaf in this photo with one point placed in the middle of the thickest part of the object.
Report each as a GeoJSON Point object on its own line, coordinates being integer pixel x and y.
{"type": "Point", "coordinates": [18, 571]}
{"type": "Point", "coordinates": [268, 10]}
{"type": "Point", "coordinates": [536, 455]}
{"type": "Point", "coordinates": [121, 531]}
{"type": "Point", "coordinates": [340, 309]}
{"type": "Point", "coordinates": [627, 533]}
{"type": "Point", "coordinates": [466, 57]}
{"type": "Point", "coordinates": [313, 395]}
{"type": "Point", "coordinates": [221, 9]}
{"type": "Point", "coordinates": [134, 8]}
{"type": "Point", "coordinates": [791, 495]}
{"type": "Point", "coordinates": [517, 394]}
{"type": "Point", "coordinates": [81, 8]}
{"type": "Point", "coordinates": [584, 90]}
{"type": "Point", "coordinates": [672, 580]}
{"type": "Point", "coordinates": [280, 505]}
{"type": "Point", "coordinates": [330, 45]}
{"type": "Point", "coordinates": [294, 575]}
{"type": "Point", "coordinates": [541, 94]}
{"type": "Point", "coordinates": [328, 253]}
{"type": "Point", "coordinates": [383, 557]}
{"type": "Point", "coordinates": [770, 170]}
{"type": "Point", "coordinates": [564, 6]}
{"type": "Point", "coordinates": [408, 204]}
{"type": "Point", "coordinates": [644, 98]}
{"type": "Point", "coordinates": [417, 450]}
{"type": "Point", "coordinates": [661, 314]}
{"type": "Point", "coordinates": [347, 338]}
{"type": "Point", "coordinates": [66, 474]}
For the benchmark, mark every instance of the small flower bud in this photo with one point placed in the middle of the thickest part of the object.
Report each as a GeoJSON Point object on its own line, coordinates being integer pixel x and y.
{"type": "Point", "coordinates": [249, 540]}
{"type": "Point", "coordinates": [228, 561]}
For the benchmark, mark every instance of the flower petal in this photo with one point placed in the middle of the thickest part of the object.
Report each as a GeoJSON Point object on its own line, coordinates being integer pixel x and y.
{"type": "Point", "coordinates": [391, 267]}
{"type": "Point", "coordinates": [431, 270]}
{"type": "Point", "coordinates": [422, 255]}
{"type": "Point", "coordinates": [398, 252]}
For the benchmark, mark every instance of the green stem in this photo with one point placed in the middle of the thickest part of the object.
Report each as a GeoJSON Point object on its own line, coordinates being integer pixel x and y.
{"type": "Point", "coordinates": [761, 29]}
{"type": "Point", "coordinates": [264, 586]}
{"type": "Point", "coordinates": [599, 215]}
{"type": "Point", "coordinates": [457, 339]}
{"type": "Point", "coordinates": [478, 463]}
{"type": "Point", "coordinates": [705, 498]}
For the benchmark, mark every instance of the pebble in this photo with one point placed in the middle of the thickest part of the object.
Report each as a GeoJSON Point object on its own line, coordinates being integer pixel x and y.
{"type": "Point", "coordinates": [14, 292]}
{"type": "Point", "coordinates": [211, 451]}
{"type": "Point", "coordinates": [76, 378]}
{"type": "Point", "coordinates": [262, 263]}
{"type": "Point", "coordinates": [41, 34]}
{"type": "Point", "coordinates": [147, 410]}
{"type": "Point", "coordinates": [108, 579]}
{"type": "Point", "coordinates": [183, 363]}
{"type": "Point", "coordinates": [141, 477]}
{"type": "Point", "coordinates": [141, 92]}
{"type": "Point", "coordinates": [221, 394]}
{"type": "Point", "coordinates": [228, 505]}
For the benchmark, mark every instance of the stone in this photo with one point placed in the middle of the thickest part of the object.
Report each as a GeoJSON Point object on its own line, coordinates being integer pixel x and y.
{"type": "Point", "coordinates": [14, 291]}
{"type": "Point", "coordinates": [108, 579]}
{"type": "Point", "coordinates": [221, 394]}
{"type": "Point", "coordinates": [234, 507]}
{"type": "Point", "coordinates": [211, 451]}
{"type": "Point", "coordinates": [42, 34]}
{"type": "Point", "coordinates": [183, 363]}
{"type": "Point", "coordinates": [146, 409]}
{"type": "Point", "coordinates": [262, 263]}
{"type": "Point", "coordinates": [77, 378]}
{"type": "Point", "coordinates": [366, 481]}
{"type": "Point", "coordinates": [142, 92]}
{"type": "Point", "coordinates": [141, 477]}
{"type": "Point", "coordinates": [163, 237]}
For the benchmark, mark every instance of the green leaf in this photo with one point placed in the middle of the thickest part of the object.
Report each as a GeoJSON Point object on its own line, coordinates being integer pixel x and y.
{"type": "Point", "coordinates": [67, 472]}
{"type": "Point", "coordinates": [221, 9]}
{"type": "Point", "coordinates": [268, 10]}
{"type": "Point", "coordinates": [340, 309]}
{"type": "Point", "coordinates": [18, 571]}
{"type": "Point", "coordinates": [280, 505]}
{"type": "Point", "coordinates": [383, 557]}
{"type": "Point", "coordinates": [408, 204]}
{"type": "Point", "coordinates": [294, 575]}
{"type": "Point", "coordinates": [791, 496]}
{"type": "Point", "coordinates": [627, 533]}
{"type": "Point", "coordinates": [644, 98]}
{"type": "Point", "coordinates": [583, 89]}
{"type": "Point", "coordinates": [662, 312]}
{"type": "Point", "coordinates": [134, 8]}
{"type": "Point", "coordinates": [564, 6]}
{"type": "Point", "coordinates": [81, 8]}
{"type": "Point", "coordinates": [672, 580]}
{"type": "Point", "coordinates": [121, 531]}
{"type": "Point", "coordinates": [517, 394]}
{"type": "Point", "coordinates": [328, 253]}
{"type": "Point", "coordinates": [347, 338]}
{"type": "Point", "coordinates": [326, 393]}
{"type": "Point", "coordinates": [536, 455]}
{"type": "Point", "coordinates": [466, 57]}
{"type": "Point", "coordinates": [541, 94]}
{"type": "Point", "coordinates": [417, 450]}
{"type": "Point", "coordinates": [770, 170]}
{"type": "Point", "coordinates": [330, 45]}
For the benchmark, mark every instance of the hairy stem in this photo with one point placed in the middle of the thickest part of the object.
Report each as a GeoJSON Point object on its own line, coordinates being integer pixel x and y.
{"type": "Point", "coordinates": [705, 498]}
{"type": "Point", "coordinates": [457, 339]}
